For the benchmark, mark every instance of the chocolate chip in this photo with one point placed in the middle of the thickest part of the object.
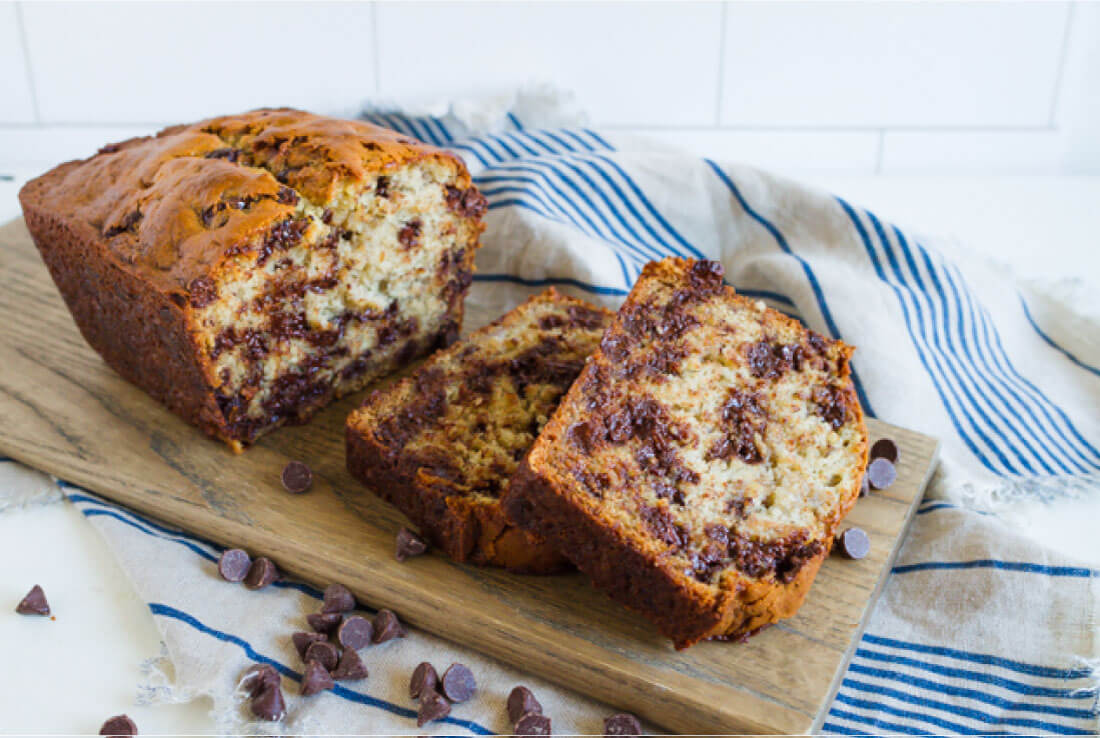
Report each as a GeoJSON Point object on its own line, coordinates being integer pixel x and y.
{"type": "Point", "coordinates": [409, 544]}
{"type": "Point", "coordinates": [234, 564]}
{"type": "Point", "coordinates": [622, 724]}
{"type": "Point", "coordinates": [355, 633]}
{"type": "Point", "coordinates": [261, 573]}
{"type": "Point", "coordinates": [297, 477]}
{"type": "Point", "coordinates": [458, 683]}
{"type": "Point", "coordinates": [424, 679]}
{"type": "Point", "coordinates": [351, 668]}
{"type": "Point", "coordinates": [338, 598]}
{"type": "Point", "coordinates": [881, 474]}
{"type": "Point", "coordinates": [258, 678]}
{"type": "Point", "coordinates": [324, 622]}
{"type": "Point", "coordinates": [387, 626]}
{"type": "Point", "coordinates": [854, 543]}
{"type": "Point", "coordinates": [884, 448]}
{"type": "Point", "coordinates": [303, 640]}
{"type": "Point", "coordinates": [269, 704]}
{"type": "Point", "coordinates": [323, 652]}
{"type": "Point", "coordinates": [316, 679]}
{"type": "Point", "coordinates": [119, 725]}
{"type": "Point", "coordinates": [326, 216]}
{"type": "Point", "coordinates": [34, 603]}
{"type": "Point", "coordinates": [521, 701]}
{"type": "Point", "coordinates": [432, 707]}
{"type": "Point", "coordinates": [532, 723]}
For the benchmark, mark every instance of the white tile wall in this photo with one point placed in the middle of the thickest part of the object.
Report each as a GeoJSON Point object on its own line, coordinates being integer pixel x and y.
{"type": "Point", "coordinates": [821, 86]}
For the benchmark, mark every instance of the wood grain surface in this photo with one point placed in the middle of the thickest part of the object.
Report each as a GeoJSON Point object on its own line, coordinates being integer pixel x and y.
{"type": "Point", "coordinates": [64, 411]}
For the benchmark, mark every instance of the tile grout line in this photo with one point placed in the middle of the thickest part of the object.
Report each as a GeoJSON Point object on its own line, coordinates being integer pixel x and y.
{"type": "Point", "coordinates": [721, 66]}
{"type": "Point", "coordinates": [1059, 78]}
{"type": "Point", "coordinates": [29, 71]}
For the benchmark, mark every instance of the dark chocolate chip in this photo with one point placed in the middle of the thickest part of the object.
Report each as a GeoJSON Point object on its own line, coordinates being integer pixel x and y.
{"type": "Point", "coordinates": [458, 684]}
{"type": "Point", "coordinates": [409, 544]}
{"type": "Point", "coordinates": [884, 448]}
{"type": "Point", "coordinates": [854, 543]}
{"type": "Point", "coordinates": [338, 598]}
{"type": "Point", "coordinates": [432, 707]}
{"type": "Point", "coordinates": [119, 725]}
{"type": "Point", "coordinates": [258, 678]}
{"type": "Point", "coordinates": [324, 622]}
{"type": "Point", "coordinates": [269, 704]}
{"type": "Point", "coordinates": [326, 216]}
{"type": "Point", "coordinates": [355, 633]}
{"type": "Point", "coordinates": [533, 723]}
{"type": "Point", "coordinates": [424, 679]}
{"type": "Point", "coordinates": [234, 564]}
{"type": "Point", "coordinates": [303, 640]}
{"type": "Point", "coordinates": [297, 477]}
{"type": "Point", "coordinates": [522, 702]}
{"type": "Point", "coordinates": [387, 626]}
{"type": "Point", "coordinates": [316, 679]}
{"type": "Point", "coordinates": [622, 724]}
{"type": "Point", "coordinates": [323, 652]}
{"type": "Point", "coordinates": [881, 474]}
{"type": "Point", "coordinates": [34, 603]}
{"type": "Point", "coordinates": [261, 573]}
{"type": "Point", "coordinates": [351, 668]}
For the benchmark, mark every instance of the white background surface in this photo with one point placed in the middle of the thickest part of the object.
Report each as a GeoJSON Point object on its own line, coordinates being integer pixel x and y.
{"type": "Point", "coordinates": [941, 100]}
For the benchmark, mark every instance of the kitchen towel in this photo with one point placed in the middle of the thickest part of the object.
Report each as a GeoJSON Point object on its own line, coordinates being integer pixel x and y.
{"type": "Point", "coordinates": [981, 629]}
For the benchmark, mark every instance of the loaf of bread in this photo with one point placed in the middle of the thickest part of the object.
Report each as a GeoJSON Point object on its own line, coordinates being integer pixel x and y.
{"type": "Point", "coordinates": [246, 270]}
{"type": "Point", "coordinates": [442, 444]}
{"type": "Point", "coordinates": [700, 464]}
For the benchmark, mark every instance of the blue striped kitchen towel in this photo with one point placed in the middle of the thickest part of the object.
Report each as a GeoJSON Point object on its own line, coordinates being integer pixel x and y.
{"type": "Point", "coordinates": [981, 629]}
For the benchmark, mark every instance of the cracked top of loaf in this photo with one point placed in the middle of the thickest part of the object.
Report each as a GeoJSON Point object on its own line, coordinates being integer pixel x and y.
{"type": "Point", "coordinates": [175, 205]}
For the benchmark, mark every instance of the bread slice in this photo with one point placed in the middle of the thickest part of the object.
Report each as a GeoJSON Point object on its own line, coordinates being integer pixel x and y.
{"type": "Point", "coordinates": [442, 444]}
{"type": "Point", "coordinates": [247, 269]}
{"type": "Point", "coordinates": [700, 464]}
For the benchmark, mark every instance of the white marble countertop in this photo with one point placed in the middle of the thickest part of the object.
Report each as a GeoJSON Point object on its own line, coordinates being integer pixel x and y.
{"type": "Point", "coordinates": [1043, 227]}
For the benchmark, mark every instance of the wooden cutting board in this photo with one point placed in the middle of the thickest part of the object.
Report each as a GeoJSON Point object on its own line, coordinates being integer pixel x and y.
{"type": "Point", "coordinates": [65, 412]}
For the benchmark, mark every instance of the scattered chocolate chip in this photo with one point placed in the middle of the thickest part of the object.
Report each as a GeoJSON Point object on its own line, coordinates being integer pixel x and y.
{"type": "Point", "coordinates": [297, 477]}
{"type": "Point", "coordinates": [119, 725]}
{"type": "Point", "coordinates": [324, 622]}
{"type": "Point", "coordinates": [521, 701]}
{"type": "Point", "coordinates": [234, 564]}
{"type": "Point", "coordinates": [533, 723]}
{"type": "Point", "coordinates": [409, 544]}
{"type": "Point", "coordinates": [269, 704]}
{"type": "Point", "coordinates": [34, 603]}
{"type": "Point", "coordinates": [884, 448]}
{"type": "Point", "coordinates": [432, 707]}
{"type": "Point", "coordinates": [881, 474]}
{"type": "Point", "coordinates": [338, 598]}
{"type": "Point", "coordinates": [351, 668]}
{"type": "Point", "coordinates": [854, 543]}
{"type": "Point", "coordinates": [323, 652]}
{"type": "Point", "coordinates": [387, 626]}
{"type": "Point", "coordinates": [458, 684]}
{"type": "Point", "coordinates": [355, 633]}
{"type": "Point", "coordinates": [316, 679]}
{"type": "Point", "coordinates": [261, 573]}
{"type": "Point", "coordinates": [622, 724]}
{"type": "Point", "coordinates": [424, 680]}
{"type": "Point", "coordinates": [260, 677]}
{"type": "Point", "coordinates": [303, 640]}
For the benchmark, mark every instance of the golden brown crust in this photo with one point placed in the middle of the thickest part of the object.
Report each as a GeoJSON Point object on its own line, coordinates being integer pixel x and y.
{"type": "Point", "coordinates": [657, 497]}
{"type": "Point", "coordinates": [441, 444]}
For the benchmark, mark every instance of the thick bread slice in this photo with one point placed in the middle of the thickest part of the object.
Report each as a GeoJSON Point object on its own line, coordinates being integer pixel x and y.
{"type": "Point", "coordinates": [698, 468]}
{"type": "Point", "coordinates": [442, 444]}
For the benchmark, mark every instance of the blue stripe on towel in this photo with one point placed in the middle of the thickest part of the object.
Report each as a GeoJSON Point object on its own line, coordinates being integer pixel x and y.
{"type": "Point", "coordinates": [339, 690]}
{"type": "Point", "coordinates": [1050, 341]}
{"type": "Point", "coordinates": [595, 289]}
{"type": "Point", "coordinates": [1020, 566]}
{"type": "Point", "coordinates": [981, 658]}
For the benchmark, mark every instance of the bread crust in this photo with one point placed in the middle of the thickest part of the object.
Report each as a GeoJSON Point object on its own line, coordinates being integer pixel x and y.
{"type": "Point", "coordinates": [544, 497]}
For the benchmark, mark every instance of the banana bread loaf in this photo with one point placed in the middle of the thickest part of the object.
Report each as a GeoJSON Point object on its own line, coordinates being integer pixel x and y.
{"type": "Point", "coordinates": [246, 270]}
{"type": "Point", "coordinates": [442, 444]}
{"type": "Point", "coordinates": [700, 464]}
